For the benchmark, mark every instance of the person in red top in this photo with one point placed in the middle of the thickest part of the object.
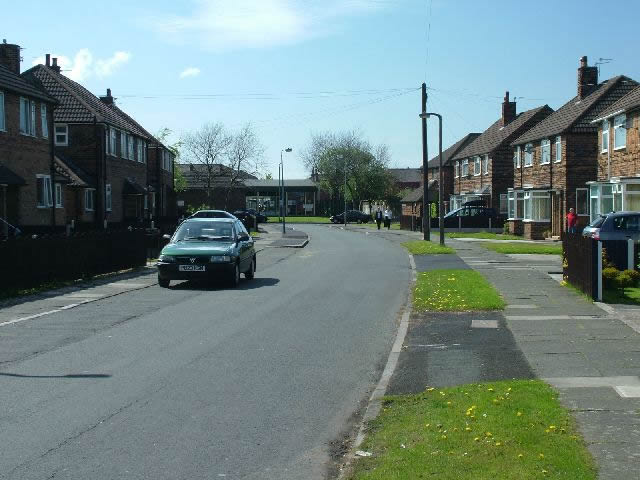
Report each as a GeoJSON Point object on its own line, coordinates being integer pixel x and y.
{"type": "Point", "coordinates": [572, 220]}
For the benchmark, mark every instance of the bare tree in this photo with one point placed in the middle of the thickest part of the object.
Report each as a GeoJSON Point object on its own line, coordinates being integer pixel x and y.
{"type": "Point", "coordinates": [206, 149]}
{"type": "Point", "coordinates": [243, 156]}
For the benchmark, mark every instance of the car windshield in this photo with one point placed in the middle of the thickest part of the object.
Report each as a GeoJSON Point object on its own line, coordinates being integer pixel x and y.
{"type": "Point", "coordinates": [203, 231]}
{"type": "Point", "coordinates": [210, 214]}
{"type": "Point", "coordinates": [597, 222]}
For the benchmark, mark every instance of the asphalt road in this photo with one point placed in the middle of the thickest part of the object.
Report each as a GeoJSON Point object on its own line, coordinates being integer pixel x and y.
{"type": "Point", "coordinates": [206, 382]}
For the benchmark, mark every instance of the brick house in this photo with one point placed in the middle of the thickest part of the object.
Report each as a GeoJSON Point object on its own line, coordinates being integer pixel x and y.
{"type": "Point", "coordinates": [406, 178]}
{"type": "Point", "coordinates": [433, 168]}
{"type": "Point", "coordinates": [483, 170]}
{"type": "Point", "coordinates": [30, 189]}
{"type": "Point", "coordinates": [160, 160]}
{"type": "Point", "coordinates": [101, 146]}
{"type": "Point", "coordinates": [617, 186]}
{"type": "Point", "coordinates": [555, 159]}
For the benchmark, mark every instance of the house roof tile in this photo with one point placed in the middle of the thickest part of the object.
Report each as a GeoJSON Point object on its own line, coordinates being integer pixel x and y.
{"type": "Point", "coordinates": [79, 105]}
{"type": "Point", "coordinates": [450, 152]}
{"type": "Point", "coordinates": [628, 102]}
{"type": "Point", "coordinates": [415, 195]}
{"type": "Point", "coordinates": [17, 84]}
{"type": "Point", "coordinates": [497, 135]}
{"type": "Point", "coordinates": [576, 115]}
{"type": "Point", "coordinates": [406, 175]}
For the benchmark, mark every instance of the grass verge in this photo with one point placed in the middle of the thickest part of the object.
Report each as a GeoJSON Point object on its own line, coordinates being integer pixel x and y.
{"type": "Point", "coordinates": [455, 290]}
{"type": "Point", "coordinates": [628, 296]}
{"type": "Point", "coordinates": [299, 220]}
{"type": "Point", "coordinates": [484, 235]}
{"type": "Point", "coordinates": [524, 248]}
{"type": "Point", "coordinates": [424, 247]}
{"type": "Point", "coordinates": [502, 430]}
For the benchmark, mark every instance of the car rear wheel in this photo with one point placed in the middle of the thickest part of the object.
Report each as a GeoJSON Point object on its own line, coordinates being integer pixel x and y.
{"type": "Point", "coordinates": [164, 282]}
{"type": "Point", "coordinates": [249, 274]}
{"type": "Point", "coordinates": [235, 279]}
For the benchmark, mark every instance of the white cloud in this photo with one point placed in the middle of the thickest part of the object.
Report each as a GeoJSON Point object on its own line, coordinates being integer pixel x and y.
{"type": "Point", "coordinates": [190, 72]}
{"type": "Point", "coordinates": [104, 68]}
{"type": "Point", "coordinates": [224, 25]}
{"type": "Point", "coordinates": [83, 66]}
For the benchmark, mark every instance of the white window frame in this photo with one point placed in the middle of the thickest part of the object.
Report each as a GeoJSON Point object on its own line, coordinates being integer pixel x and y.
{"type": "Point", "coordinates": [619, 130]}
{"type": "Point", "coordinates": [465, 168]}
{"type": "Point", "coordinates": [112, 142]}
{"type": "Point", "coordinates": [140, 149]}
{"type": "Point", "coordinates": [44, 124]}
{"type": "Point", "coordinates": [578, 211]}
{"type": "Point", "coordinates": [130, 147]}
{"type": "Point", "coordinates": [485, 165]}
{"type": "Point", "coordinates": [46, 191]}
{"type": "Point", "coordinates": [528, 155]}
{"type": "Point", "coordinates": [123, 144]}
{"type": "Point", "coordinates": [477, 167]}
{"type": "Point", "coordinates": [89, 199]}
{"type": "Point", "coordinates": [545, 151]}
{"type": "Point", "coordinates": [27, 117]}
{"type": "Point", "coordinates": [56, 133]}
{"type": "Point", "coordinates": [3, 122]}
{"type": "Point", "coordinates": [558, 158]}
{"type": "Point", "coordinates": [108, 197]}
{"type": "Point", "coordinates": [457, 169]}
{"type": "Point", "coordinates": [605, 134]}
{"type": "Point", "coordinates": [529, 198]}
{"type": "Point", "coordinates": [59, 199]}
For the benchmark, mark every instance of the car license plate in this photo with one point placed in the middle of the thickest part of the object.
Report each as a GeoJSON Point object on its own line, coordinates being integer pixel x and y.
{"type": "Point", "coordinates": [191, 268]}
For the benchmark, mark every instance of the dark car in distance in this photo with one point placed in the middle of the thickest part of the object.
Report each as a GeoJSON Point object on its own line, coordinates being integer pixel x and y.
{"type": "Point", "coordinates": [353, 216]}
{"type": "Point", "coordinates": [241, 213]}
{"type": "Point", "coordinates": [208, 249]}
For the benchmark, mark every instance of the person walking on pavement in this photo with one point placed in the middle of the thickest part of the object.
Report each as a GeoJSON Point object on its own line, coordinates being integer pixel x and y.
{"type": "Point", "coordinates": [378, 217]}
{"type": "Point", "coordinates": [572, 220]}
{"type": "Point", "coordinates": [387, 218]}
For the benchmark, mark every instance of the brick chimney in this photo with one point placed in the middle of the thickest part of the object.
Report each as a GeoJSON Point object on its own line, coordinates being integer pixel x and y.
{"type": "Point", "coordinates": [108, 99]}
{"type": "Point", "coordinates": [587, 78]}
{"type": "Point", "coordinates": [508, 110]}
{"type": "Point", "coordinates": [54, 66]}
{"type": "Point", "coordinates": [10, 56]}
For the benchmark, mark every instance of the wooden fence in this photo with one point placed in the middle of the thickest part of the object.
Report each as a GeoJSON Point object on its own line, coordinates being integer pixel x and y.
{"type": "Point", "coordinates": [29, 262]}
{"type": "Point", "coordinates": [580, 263]}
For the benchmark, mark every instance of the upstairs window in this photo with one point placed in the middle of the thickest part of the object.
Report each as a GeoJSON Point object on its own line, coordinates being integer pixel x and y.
{"type": "Point", "coordinates": [2, 121]}
{"type": "Point", "coordinates": [140, 151]}
{"type": "Point", "coordinates": [61, 131]}
{"type": "Point", "coordinates": [27, 117]}
{"type": "Point", "coordinates": [465, 167]}
{"type": "Point", "coordinates": [112, 141]}
{"type": "Point", "coordinates": [89, 199]}
{"type": "Point", "coordinates": [516, 157]}
{"type": "Point", "coordinates": [130, 147]}
{"type": "Point", "coordinates": [619, 131]}
{"type": "Point", "coordinates": [528, 155]}
{"type": "Point", "coordinates": [43, 191]}
{"type": "Point", "coordinates": [558, 149]}
{"type": "Point", "coordinates": [44, 125]}
{"type": "Point", "coordinates": [123, 145]}
{"type": "Point", "coordinates": [605, 136]}
{"type": "Point", "coordinates": [485, 165]}
{"type": "Point", "coordinates": [58, 196]}
{"type": "Point", "coordinates": [545, 151]}
{"type": "Point", "coordinates": [457, 169]}
{"type": "Point", "coordinates": [476, 166]}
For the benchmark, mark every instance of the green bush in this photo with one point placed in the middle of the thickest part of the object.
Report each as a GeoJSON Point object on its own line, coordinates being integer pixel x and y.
{"type": "Point", "coordinates": [635, 276]}
{"type": "Point", "coordinates": [624, 280]}
{"type": "Point", "coordinates": [609, 276]}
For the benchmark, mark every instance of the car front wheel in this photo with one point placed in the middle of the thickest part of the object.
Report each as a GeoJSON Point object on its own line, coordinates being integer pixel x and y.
{"type": "Point", "coordinates": [164, 282]}
{"type": "Point", "coordinates": [235, 279]}
{"type": "Point", "coordinates": [249, 274]}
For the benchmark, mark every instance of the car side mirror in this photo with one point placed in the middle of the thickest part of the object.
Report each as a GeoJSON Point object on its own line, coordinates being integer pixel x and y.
{"type": "Point", "coordinates": [166, 236]}
{"type": "Point", "coordinates": [243, 237]}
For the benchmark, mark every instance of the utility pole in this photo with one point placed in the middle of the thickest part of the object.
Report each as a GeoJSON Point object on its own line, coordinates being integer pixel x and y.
{"type": "Point", "coordinates": [344, 167]}
{"type": "Point", "coordinates": [426, 220]}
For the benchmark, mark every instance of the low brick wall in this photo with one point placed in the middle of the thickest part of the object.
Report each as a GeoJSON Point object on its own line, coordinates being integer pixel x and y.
{"type": "Point", "coordinates": [535, 230]}
{"type": "Point", "coordinates": [516, 227]}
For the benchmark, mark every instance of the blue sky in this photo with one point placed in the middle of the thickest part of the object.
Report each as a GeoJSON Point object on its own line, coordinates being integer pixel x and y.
{"type": "Point", "coordinates": [293, 67]}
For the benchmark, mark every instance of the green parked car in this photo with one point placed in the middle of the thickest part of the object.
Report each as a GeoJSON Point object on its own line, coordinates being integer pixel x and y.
{"type": "Point", "coordinates": [208, 249]}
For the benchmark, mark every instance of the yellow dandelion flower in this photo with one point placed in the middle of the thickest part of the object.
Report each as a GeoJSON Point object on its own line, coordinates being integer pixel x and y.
{"type": "Point", "coordinates": [477, 439]}
{"type": "Point", "coordinates": [519, 414]}
{"type": "Point", "coordinates": [490, 389]}
{"type": "Point", "coordinates": [552, 427]}
{"type": "Point", "coordinates": [488, 434]}
{"type": "Point", "coordinates": [520, 455]}
{"type": "Point", "coordinates": [468, 429]}
{"type": "Point", "coordinates": [498, 444]}
{"type": "Point", "coordinates": [443, 437]}
{"type": "Point", "coordinates": [541, 455]}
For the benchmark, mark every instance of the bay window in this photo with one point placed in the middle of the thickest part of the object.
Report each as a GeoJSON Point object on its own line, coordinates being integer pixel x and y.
{"type": "Point", "coordinates": [537, 205]}
{"type": "Point", "coordinates": [515, 204]}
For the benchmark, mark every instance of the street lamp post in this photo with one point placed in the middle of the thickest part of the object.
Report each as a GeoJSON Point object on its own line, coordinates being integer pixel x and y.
{"type": "Point", "coordinates": [283, 205]}
{"type": "Point", "coordinates": [440, 174]}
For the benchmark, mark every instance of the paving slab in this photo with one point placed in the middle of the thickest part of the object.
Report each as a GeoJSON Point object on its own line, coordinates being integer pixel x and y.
{"type": "Point", "coordinates": [426, 263]}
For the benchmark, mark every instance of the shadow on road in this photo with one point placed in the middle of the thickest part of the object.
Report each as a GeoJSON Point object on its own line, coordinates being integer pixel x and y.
{"type": "Point", "coordinates": [71, 375]}
{"type": "Point", "coordinates": [245, 284]}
